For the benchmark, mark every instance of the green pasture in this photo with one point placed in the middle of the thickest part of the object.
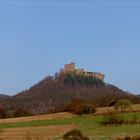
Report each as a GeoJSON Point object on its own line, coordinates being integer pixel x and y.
{"type": "Point", "coordinates": [90, 125]}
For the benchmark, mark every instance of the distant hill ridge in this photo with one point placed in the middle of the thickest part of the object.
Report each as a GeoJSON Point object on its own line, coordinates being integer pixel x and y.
{"type": "Point", "coordinates": [57, 91]}
{"type": "Point", "coordinates": [2, 96]}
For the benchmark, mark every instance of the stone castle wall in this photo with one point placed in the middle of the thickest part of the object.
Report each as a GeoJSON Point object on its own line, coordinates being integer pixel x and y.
{"type": "Point", "coordinates": [71, 68]}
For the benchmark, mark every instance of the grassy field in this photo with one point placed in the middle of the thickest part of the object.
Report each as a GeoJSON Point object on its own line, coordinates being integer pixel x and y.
{"type": "Point", "coordinates": [49, 128]}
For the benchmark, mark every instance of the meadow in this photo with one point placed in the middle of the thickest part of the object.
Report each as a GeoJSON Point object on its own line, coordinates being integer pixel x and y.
{"type": "Point", "coordinates": [46, 127]}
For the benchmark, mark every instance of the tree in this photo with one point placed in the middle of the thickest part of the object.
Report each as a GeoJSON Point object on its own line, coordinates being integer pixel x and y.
{"type": "Point", "coordinates": [3, 113]}
{"type": "Point", "coordinates": [69, 79]}
{"type": "Point", "coordinates": [21, 113]}
{"type": "Point", "coordinates": [123, 105]}
{"type": "Point", "coordinates": [74, 135]}
{"type": "Point", "coordinates": [80, 107]}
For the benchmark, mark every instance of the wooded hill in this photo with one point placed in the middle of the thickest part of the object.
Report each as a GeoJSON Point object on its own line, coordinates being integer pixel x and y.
{"type": "Point", "coordinates": [55, 92]}
{"type": "Point", "coordinates": [2, 96]}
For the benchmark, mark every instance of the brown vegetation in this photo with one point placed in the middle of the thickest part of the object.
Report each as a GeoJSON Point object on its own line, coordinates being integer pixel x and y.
{"type": "Point", "coordinates": [20, 112]}
{"type": "Point", "coordinates": [3, 113]}
{"type": "Point", "coordinates": [35, 133]}
{"type": "Point", "coordinates": [105, 110]}
{"type": "Point", "coordinates": [123, 105]}
{"type": "Point", "coordinates": [60, 90]}
{"type": "Point", "coordinates": [74, 135]}
{"type": "Point", "coordinates": [136, 137]}
{"type": "Point", "coordinates": [113, 118]}
{"type": "Point", "coordinates": [78, 106]}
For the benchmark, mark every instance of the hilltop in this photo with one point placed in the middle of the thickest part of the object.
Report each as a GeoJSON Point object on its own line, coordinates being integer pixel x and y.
{"type": "Point", "coordinates": [54, 92]}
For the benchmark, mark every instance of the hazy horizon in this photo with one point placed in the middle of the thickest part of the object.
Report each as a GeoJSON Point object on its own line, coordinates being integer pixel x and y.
{"type": "Point", "coordinates": [39, 37]}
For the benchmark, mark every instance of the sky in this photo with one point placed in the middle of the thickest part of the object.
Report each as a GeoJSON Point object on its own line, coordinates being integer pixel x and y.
{"type": "Point", "coordinates": [37, 37]}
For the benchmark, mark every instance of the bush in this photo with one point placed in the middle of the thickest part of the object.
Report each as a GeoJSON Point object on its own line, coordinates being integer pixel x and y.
{"type": "Point", "coordinates": [80, 107]}
{"type": "Point", "coordinates": [123, 138]}
{"type": "Point", "coordinates": [74, 135]}
{"type": "Point", "coordinates": [84, 108]}
{"type": "Point", "coordinates": [21, 113]}
{"type": "Point", "coordinates": [136, 137]}
{"type": "Point", "coordinates": [123, 105]}
{"type": "Point", "coordinates": [3, 113]}
{"type": "Point", "coordinates": [69, 79]}
{"type": "Point", "coordinates": [112, 119]}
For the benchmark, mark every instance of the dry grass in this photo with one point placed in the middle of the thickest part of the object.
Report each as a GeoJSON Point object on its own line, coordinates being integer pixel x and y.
{"type": "Point", "coordinates": [39, 117]}
{"type": "Point", "coordinates": [35, 133]}
{"type": "Point", "coordinates": [136, 107]}
{"type": "Point", "coordinates": [103, 110]}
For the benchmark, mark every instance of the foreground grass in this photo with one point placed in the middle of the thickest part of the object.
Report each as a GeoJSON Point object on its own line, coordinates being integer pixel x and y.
{"type": "Point", "coordinates": [88, 124]}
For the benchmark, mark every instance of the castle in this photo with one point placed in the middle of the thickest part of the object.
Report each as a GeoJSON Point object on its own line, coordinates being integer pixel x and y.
{"type": "Point", "coordinates": [71, 68]}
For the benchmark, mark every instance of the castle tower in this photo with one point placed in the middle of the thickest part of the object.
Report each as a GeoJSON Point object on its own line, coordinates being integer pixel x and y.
{"type": "Point", "coordinates": [69, 67]}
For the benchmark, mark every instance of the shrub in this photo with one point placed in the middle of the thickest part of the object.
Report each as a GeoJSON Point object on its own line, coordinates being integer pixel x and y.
{"type": "Point", "coordinates": [112, 103]}
{"type": "Point", "coordinates": [69, 79]}
{"type": "Point", "coordinates": [3, 113]}
{"type": "Point", "coordinates": [112, 119]}
{"type": "Point", "coordinates": [74, 135]}
{"type": "Point", "coordinates": [84, 108]}
{"type": "Point", "coordinates": [21, 113]}
{"type": "Point", "coordinates": [80, 107]}
{"type": "Point", "coordinates": [136, 137]}
{"type": "Point", "coordinates": [123, 105]}
{"type": "Point", "coordinates": [123, 138]}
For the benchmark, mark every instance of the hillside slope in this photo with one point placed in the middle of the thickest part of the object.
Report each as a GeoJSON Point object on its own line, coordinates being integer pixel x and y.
{"type": "Point", "coordinates": [2, 97]}
{"type": "Point", "coordinates": [51, 93]}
